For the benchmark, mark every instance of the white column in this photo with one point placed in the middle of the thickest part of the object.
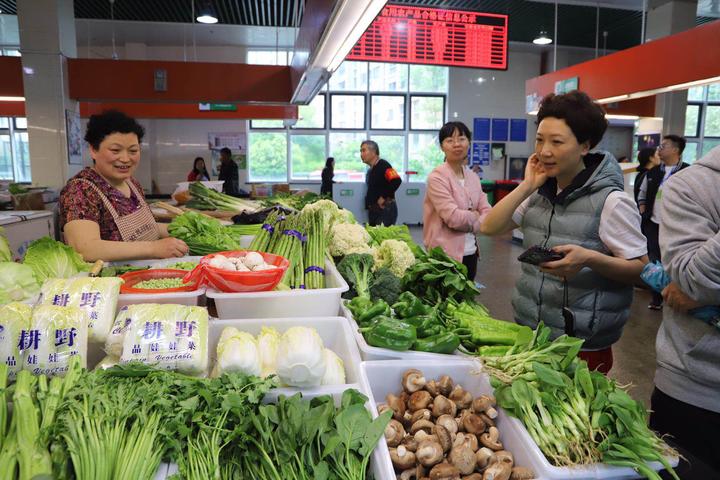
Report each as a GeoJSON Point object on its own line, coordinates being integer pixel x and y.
{"type": "Point", "coordinates": [47, 39]}
{"type": "Point", "coordinates": [666, 17]}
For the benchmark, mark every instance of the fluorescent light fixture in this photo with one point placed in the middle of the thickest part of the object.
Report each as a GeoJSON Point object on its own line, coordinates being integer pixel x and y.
{"type": "Point", "coordinates": [12, 99]}
{"type": "Point", "coordinates": [542, 39]}
{"type": "Point", "coordinates": [206, 19]}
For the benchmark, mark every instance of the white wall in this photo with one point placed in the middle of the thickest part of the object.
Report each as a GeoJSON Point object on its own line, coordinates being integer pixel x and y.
{"type": "Point", "coordinates": [500, 95]}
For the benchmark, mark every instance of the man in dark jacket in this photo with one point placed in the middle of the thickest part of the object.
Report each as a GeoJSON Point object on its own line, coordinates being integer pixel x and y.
{"type": "Point", "coordinates": [650, 197]}
{"type": "Point", "coordinates": [229, 173]}
{"type": "Point", "coordinates": [382, 182]}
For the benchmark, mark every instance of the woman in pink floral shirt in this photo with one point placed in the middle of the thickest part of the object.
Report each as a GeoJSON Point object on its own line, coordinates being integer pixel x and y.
{"type": "Point", "coordinates": [103, 213]}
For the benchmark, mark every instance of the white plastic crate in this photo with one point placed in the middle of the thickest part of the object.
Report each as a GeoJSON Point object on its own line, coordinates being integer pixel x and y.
{"type": "Point", "coordinates": [334, 331]}
{"type": "Point", "coordinates": [324, 302]}
{"type": "Point", "coordinates": [383, 377]}
{"type": "Point", "coordinates": [369, 353]}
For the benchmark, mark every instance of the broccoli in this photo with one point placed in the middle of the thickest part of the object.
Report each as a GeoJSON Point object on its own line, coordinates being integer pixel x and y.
{"type": "Point", "coordinates": [356, 268]}
{"type": "Point", "coordinates": [385, 286]}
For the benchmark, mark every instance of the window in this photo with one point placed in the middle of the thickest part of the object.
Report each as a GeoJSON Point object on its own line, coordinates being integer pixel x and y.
{"type": "Point", "coordinates": [424, 155]}
{"type": "Point", "coordinates": [267, 157]}
{"type": "Point", "coordinates": [308, 156]}
{"type": "Point", "coordinates": [350, 76]}
{"type": "Point", "coordinates": [347, 111]}
{"type": "Point", "coordinates": [696, 94]}
{"type": "Point", "coordinates": [692, 114]}
{"type": "Point", "coordinates": [709, 145]}
{"type": "Point", "coordinates": [712, 121]}
{"type": "Point", "coordinates": [714, 92]}
{"type": "Point", "coordinates": [345, 148]}
{"type": "Point", "coordinates": [269, 57]}
{"type": "Point", "coordinates": [426, 78]}
{"type": "Point", "coordinates": [392, 149]}
{"type": "Point", "coordinates": [426, 112]}
{"type": "Point", "coordinates": [14, 150]}
{"type": "Point", "coordinates": [267, 124]}
{"type": "Point", "coordinates": [10, 52]}
{"type": "Point", "coordinates": [313, 115]}
{"type": "Point", "coordinates": [388, 77]}
{"type": "Point", "coordinates": [690, 153]}
{"type": "Point", "coordinates": [387, 112]}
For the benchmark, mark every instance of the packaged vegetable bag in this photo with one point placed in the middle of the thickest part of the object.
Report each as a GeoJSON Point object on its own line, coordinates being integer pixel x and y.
{"type": "Point", "coordinates": [14, 319]}
{"type": "Point", "coordinates": [96, 296]}
{"type": "Point", "coordinates": [170, 337]}
{"type": "Point", "coordinates": [56, 333]}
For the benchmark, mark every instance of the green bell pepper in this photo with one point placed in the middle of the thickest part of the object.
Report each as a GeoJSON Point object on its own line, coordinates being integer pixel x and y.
{"type": "Point", "coordinates": [426, 325]}
{"type": "Point", "coordinates": [408, 305]}
{"type": "Point", "coordinates": [358, 305]}
{"type": "Point", "coordinates": [445, 342]}
{"type": "Point", "coordinates": [386, 332]}
{"type": "Point", "coordinates": [379, 308]}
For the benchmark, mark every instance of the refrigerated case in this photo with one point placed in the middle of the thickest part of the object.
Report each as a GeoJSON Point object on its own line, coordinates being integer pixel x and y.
{"type": "Point", "coordinates": [409, 197]}
{"type": "Point", "coordinates": [24, 226]}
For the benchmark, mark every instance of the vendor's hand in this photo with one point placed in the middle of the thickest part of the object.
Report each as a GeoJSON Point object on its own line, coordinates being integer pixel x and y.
{"type": "Point", "coordinates": [381, 202]}
{"type": "Point", "coordinates": [535, 175]}
{"type": "Point", "coordinates": [576, 257]}
{"type": "Point", "coordinates": [677, 299]}
{"type": "Point", "coordinates": [170, 247]}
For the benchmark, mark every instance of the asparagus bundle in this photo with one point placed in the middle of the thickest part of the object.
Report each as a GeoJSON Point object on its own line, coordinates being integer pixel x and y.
{"type": "Point", "coordinates": [315, 252]}
{"type": "Point", "coordinates": [261, 241]}
{"type": "Point", "coordinates": [287, 241]}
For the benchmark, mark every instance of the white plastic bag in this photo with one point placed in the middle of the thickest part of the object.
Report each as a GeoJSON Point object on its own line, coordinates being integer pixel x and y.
{"type": "Point", "coordinates": [56, 333]}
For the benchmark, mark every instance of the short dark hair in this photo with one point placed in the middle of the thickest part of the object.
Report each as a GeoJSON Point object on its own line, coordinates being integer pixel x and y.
{"type": "Point", "coordinates": [372, 146]}
{"type": "Point", "coordinates": [644, 157]}
{"type": "Point", "coordinates": [450, 127]}
{"type": "Point", "coordinates": [678, 141]}
{"type": "Point", "coordinates": [226, 151]}
{"type": "Point", "coordinates": [108, 122]}
{"type": "Point", "coordinates": [585, 117]}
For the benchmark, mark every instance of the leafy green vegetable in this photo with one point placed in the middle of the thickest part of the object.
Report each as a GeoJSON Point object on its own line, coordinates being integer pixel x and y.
{"type": "Point", "coordinates": [386, 286]}
{"type": "Point", "coordinates": [122, 269]}
{"type": "Point", "coordinates": [17, 189]}
{"type": "Point", "coordinates": [202, 234]}
{"type": "Point", "coordinates": [356, 268]}
{"type": "Point", "coordinates": [436, 277]}
{"type": "Point", "coordinates": [205, 198]}
{"type": "Point", "coordinates": [17, 282]}
{"type": "Point", "coordinates": [292, 200]}
{"type": "Point", "coordinates": [182, 265]}
{"type": "Point", "coordinates": [394, 232]}
{"type": "Point", "coordinates": [5, 253]}
{"type": "Point", "coordinates": [52, 259]}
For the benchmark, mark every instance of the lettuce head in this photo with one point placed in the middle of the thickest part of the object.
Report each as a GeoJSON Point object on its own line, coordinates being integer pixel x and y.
{"type": "Point", "coordinates": [17, 282]}
{"type": "Point", "coordinates": [51, 259]}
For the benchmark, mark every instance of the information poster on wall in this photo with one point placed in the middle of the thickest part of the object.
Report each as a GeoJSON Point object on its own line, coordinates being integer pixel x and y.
{"type": "Point", "coordinates": [74, 137]}
{"type": "Point", "coordinates": [518, 130]}
{"type": "Point", "coordinates": [480, 154]}
{"type": "Point", "coordinates": [481, 129]}
{"type": "Point", "coordinates": [236, 142]}
{"type": "Point", "coordinates": [500, 129]}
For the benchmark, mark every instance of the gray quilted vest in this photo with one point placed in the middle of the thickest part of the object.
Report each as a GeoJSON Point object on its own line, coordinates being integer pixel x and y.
{"type": "Point", "coordinates": [601, 305]}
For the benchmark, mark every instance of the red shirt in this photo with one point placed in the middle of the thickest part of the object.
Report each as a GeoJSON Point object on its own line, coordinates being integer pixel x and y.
{"type": "Point", "coordinates": [79, 201]}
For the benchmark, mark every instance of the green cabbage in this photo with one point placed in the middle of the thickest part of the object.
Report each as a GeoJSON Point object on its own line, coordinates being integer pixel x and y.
{"type": "Point", "coordinates": [14, 319]}
{"type": "Point", "coordinates": [56, 334]}
{"type": "Point", "coordinates": [96, 296]}
{"type": "Point", "coordinates": [51, 259]}
{"type": "Point", "coordinates": [237, 352]}
{"type": "Point", "coordinates": [17, 282]}
{"type": "Point", "coordinates": [5, 253]}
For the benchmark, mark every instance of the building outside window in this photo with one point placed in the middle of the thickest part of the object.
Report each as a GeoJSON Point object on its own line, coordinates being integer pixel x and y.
{"type": "Point", "coordinates": [14, 150]}
{"type": "Point", "coordinates": [399, 106]}
{"type": "Point", "coordinates": [702, 121]}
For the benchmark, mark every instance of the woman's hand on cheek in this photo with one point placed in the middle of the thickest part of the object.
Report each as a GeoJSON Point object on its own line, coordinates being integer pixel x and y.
{"type": "Point", "coordinates": [576, 257]}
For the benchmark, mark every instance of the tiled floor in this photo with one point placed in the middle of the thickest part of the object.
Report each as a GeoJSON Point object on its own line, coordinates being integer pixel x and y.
{"type": "Point", "coordinates": [635, 352]}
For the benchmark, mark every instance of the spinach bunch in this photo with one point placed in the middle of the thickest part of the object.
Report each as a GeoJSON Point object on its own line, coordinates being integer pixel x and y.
{"type": "Point", "coordinates": [436, 277]}
{"type": "Point", "coordinates": [204, 235]}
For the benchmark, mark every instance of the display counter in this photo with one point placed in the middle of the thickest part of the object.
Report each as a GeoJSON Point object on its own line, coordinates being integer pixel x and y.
{"type": "Point", "coordinates": [409, 197]}
{"type": "Point", "coordinates": [24, 226]}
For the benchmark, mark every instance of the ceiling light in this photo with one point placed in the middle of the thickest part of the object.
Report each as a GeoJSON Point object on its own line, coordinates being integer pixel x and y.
{"type": "Point", "coordinates": [12, 99]}
{"type": "Point", "coordinates": [207, 14]}
{"type": "Point", "coordinates": [542, 39]}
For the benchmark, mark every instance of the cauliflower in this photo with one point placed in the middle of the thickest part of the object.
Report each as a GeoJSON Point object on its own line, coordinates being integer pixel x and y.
{"type": "Point", "coordinates": [394, 255]}
{"type": "Point", "coordinates": [332, 215]}
{"type": "Point", "coordinates": [348, 238]}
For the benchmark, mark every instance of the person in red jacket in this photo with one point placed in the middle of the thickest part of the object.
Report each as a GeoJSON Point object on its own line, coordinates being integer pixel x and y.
{"type": "Point", "coordinates": [382, 183]}
{"type": "Point", "coordinates": [199, 173]}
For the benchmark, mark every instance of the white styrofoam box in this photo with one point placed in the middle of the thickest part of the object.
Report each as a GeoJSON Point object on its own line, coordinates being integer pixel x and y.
{"type": "Point", "coordinates": [324, 302]}
{"type": "Point", "coordinates": [368, 352]}
{"type": "Point", "coordinates": [178, 298]}
{"type": "Point", "coordinates": [384, 377]}
{"type": "Point", "coordinates": [334, 331]}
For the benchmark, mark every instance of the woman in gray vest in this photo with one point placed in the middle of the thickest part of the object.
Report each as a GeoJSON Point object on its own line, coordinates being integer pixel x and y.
{"type": "Point", "coordinates": [573, 202]}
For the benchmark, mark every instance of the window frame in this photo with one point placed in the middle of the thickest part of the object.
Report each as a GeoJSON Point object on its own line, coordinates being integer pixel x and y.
{"type": "Point", "coordinates": [325, 115]}
{"type": "Point", "coordinates": [304, 132]}
{"type": "Point", "coordinates": [365, 110]}
{"type": "Point", "coordinates": [410, 107]}
{"type": "Point", "coordinates": [266, 128]}
{"type": "Point", "coordinates": [700, 118]}
{"type": "Point", "coordinates": [405, 98]}
{"type": "Point", "coordinates": [287, 154]}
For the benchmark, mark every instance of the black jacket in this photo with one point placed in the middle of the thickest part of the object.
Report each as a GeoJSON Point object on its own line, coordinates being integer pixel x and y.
{"type": "Point", "coordinates": [327, 181]}
{"type": "Point", "coordinates": [382, 181]}
{"type": "Point", "coordinates": [654, 178]}
{"type": "Point", "coordinates": [229, 173]}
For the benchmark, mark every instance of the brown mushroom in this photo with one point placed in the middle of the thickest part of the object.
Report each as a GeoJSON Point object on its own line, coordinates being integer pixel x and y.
{"type": "Point", "coordinates": [394, 433]}
{"type": "Point", "coordinates": [433, 388]}
{"type": "Point", "coordinates": [473, 424]}
{"type": "Point", "coordinates": [443, 406]}
{"type": "Point", "coordinates": [397, 406]}
{"type": "Point", "coordinates": [417, 472]}
{"type": "Point", "coordinates": [488, 421]}
{"type": "Point", "coordinates": [422, 435]}
{"type": "Point", "coordinates": [444, 471]}
{"type": "Point", "coordinates": [491, 439]}
{"type": "Point", "coordinates": [410, 443]}
{"type": "Point", "coordinates": [413, 380]}
{"type": "Point", "coordinates": [419, 400]}
{"type": "Point", "coordinates": [461, 397]}
{"type": "Point", "coordinates": [429, 453]}
{"type": "Point", "coordinates": [461, 416]}
{"type": "Point", "coordinates": [422, 414]}
{"type": "Point", "coordinates": [485, 404]}
{"type": "Point", "coordinates": [463, 458]}
{"type": "Point", "coordinates": [426, 425]}
{"type": "Point", "coordinates": [484, 457]}
{"type": "Point", "coordinates": [497, 471]}
{"type": "Point", "coordinates": [472, 476]}
{"type": "Point", "coordinates": [443, 436]}
{"type": "Point", "coordinates": [402, 458]}
{"type": "Point", "coordinates": [448, 422]}
{"type": "Point", "coordinates": [446, 385]}
{"type": "Point", "coordinates": [467, 439]}
{"type": "Point", "coordinates": [521, 473]}
{"type": "Point", "coordinates": [505, 457]}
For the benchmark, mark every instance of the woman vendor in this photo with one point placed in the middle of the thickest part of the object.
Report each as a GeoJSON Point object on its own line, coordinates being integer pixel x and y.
{"type": "Point", "coordinates": [103, 213]}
